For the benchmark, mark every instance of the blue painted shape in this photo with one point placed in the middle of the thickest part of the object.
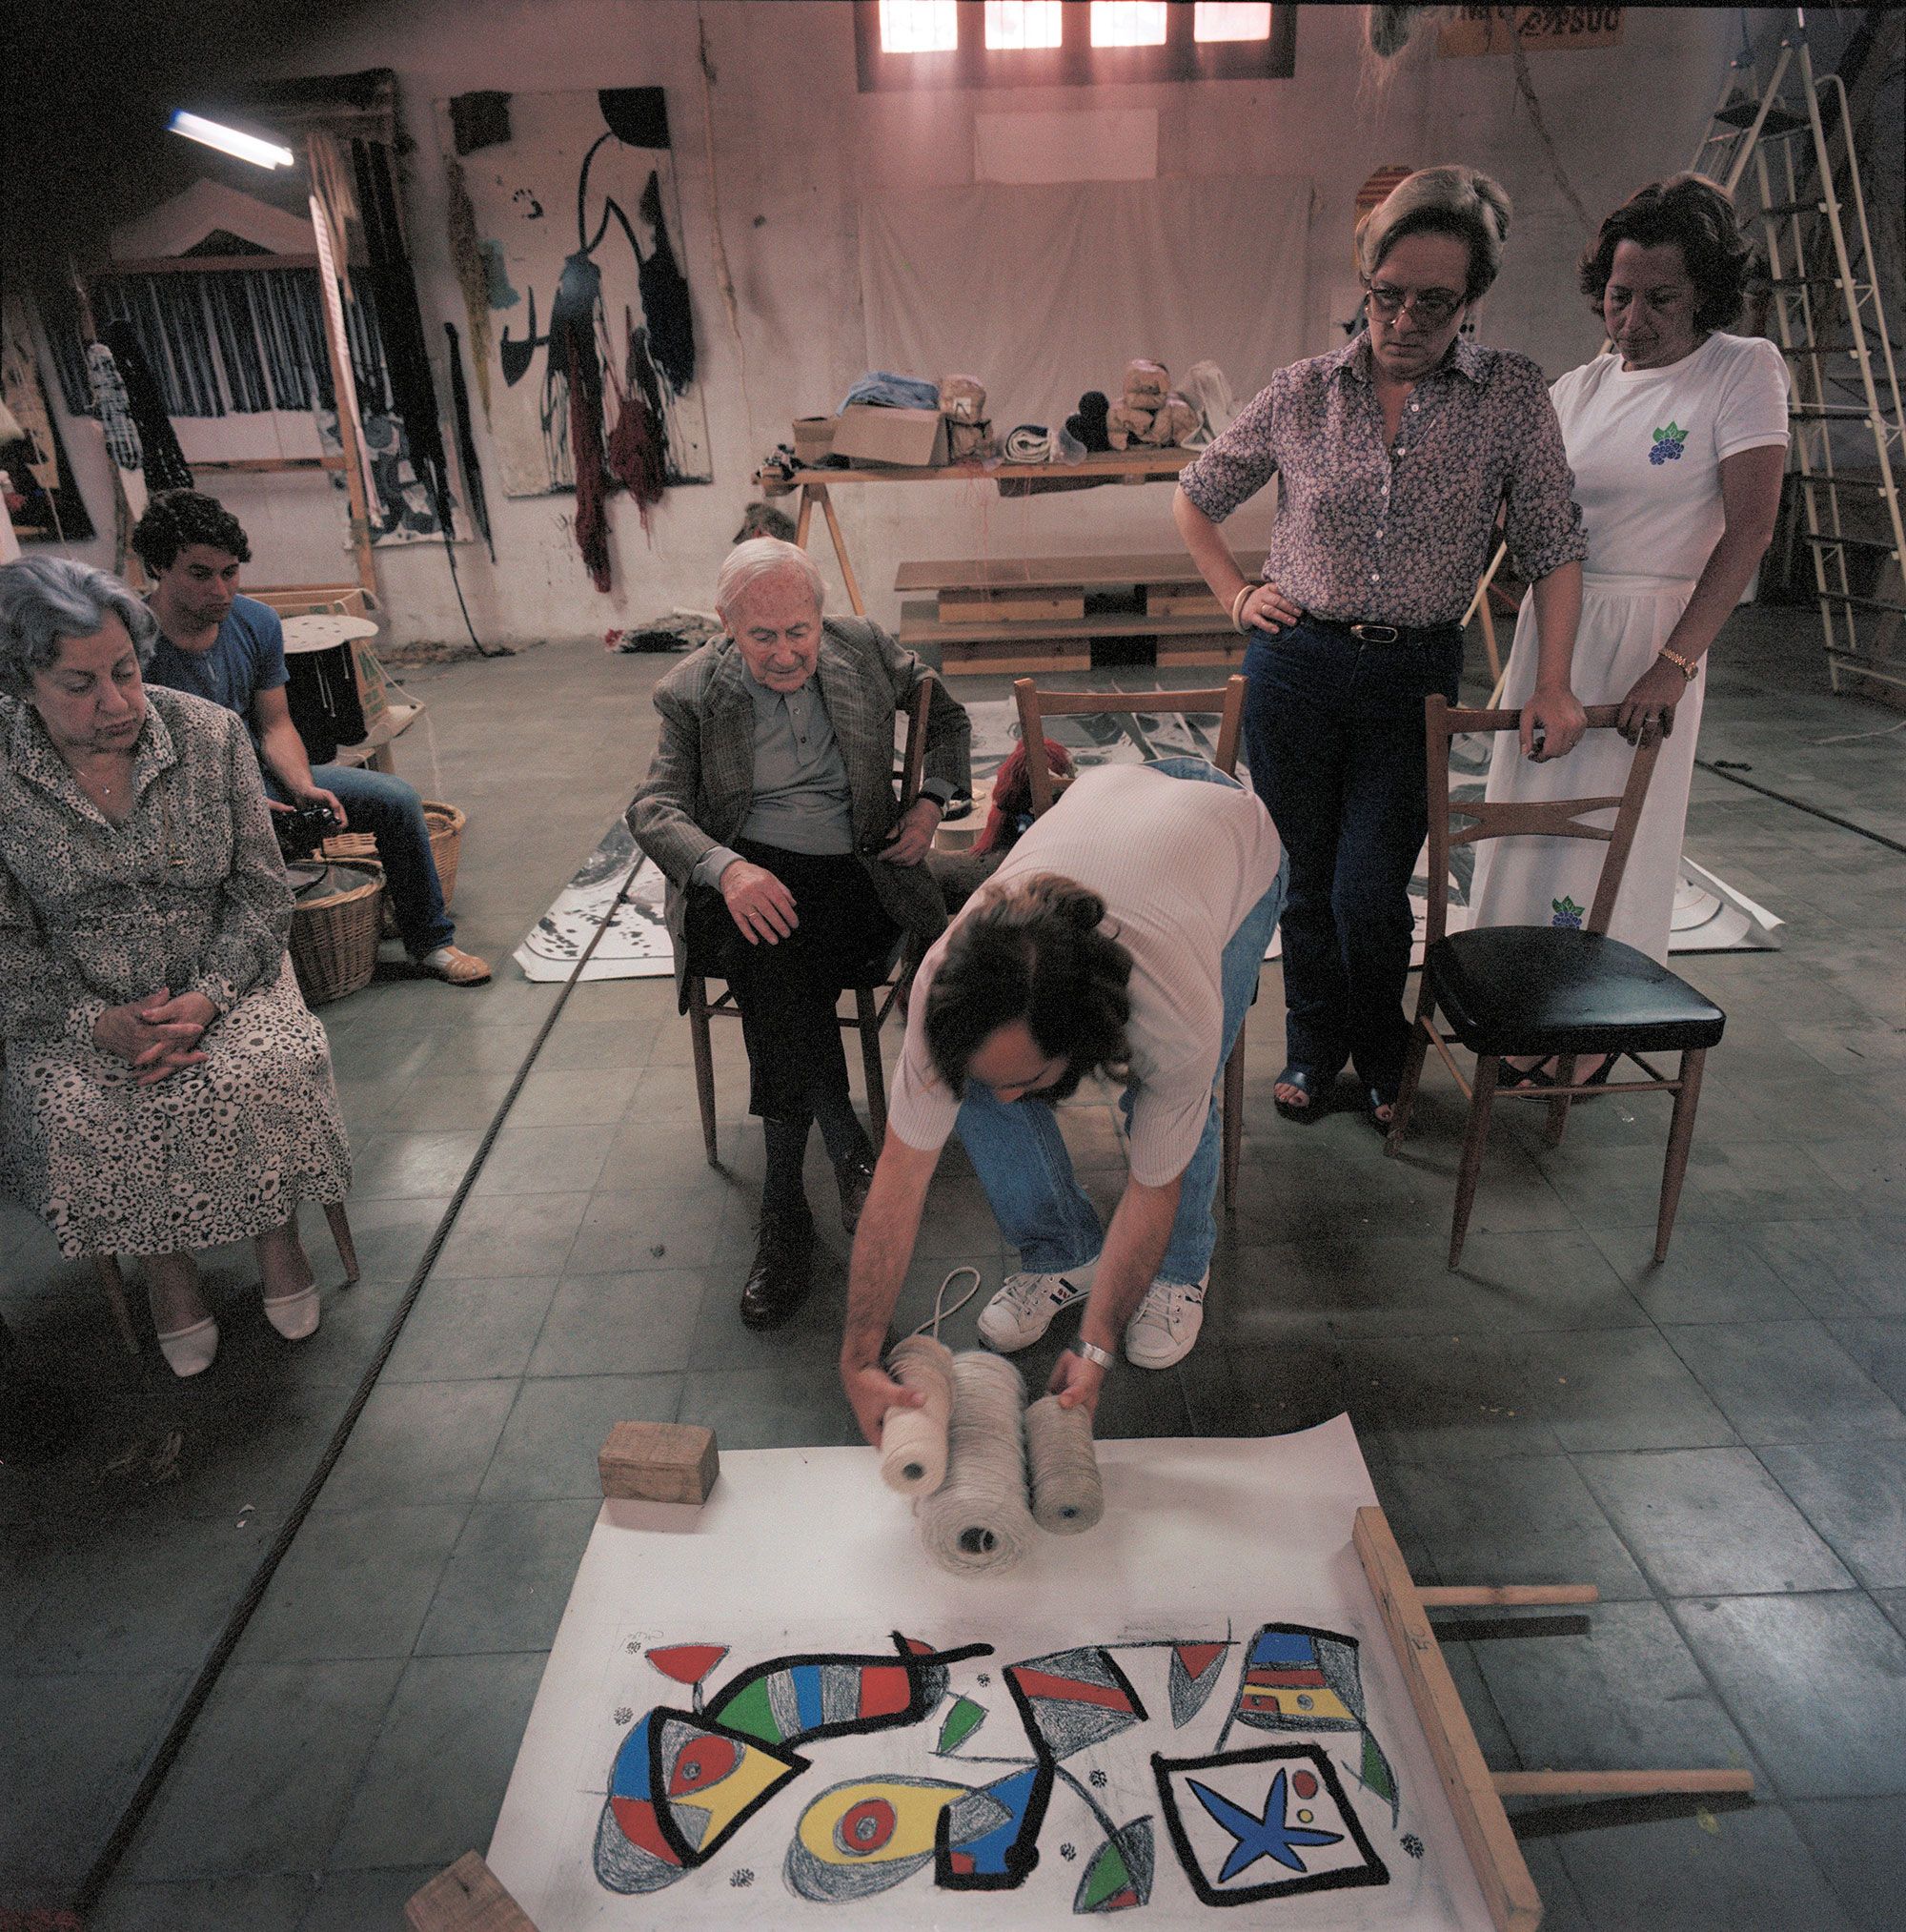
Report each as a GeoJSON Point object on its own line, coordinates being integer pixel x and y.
{"type": "Point", "coordinates": [629, 1776]}
{"type": "Point", "coordinates": [1268, 1836]}
{"type": "Point", "coordinates": [1015, 1792]}
{"type": "Point", "coordinates": [1289, 1648]}
{"type": "Point", "coordinates": [807, 1703]}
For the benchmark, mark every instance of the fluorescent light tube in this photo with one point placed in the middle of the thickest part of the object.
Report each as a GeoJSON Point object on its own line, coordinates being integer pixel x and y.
{"type": "Point", "coordinates": [230, 141]}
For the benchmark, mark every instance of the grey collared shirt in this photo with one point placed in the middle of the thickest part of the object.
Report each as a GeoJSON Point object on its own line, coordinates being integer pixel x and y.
{"type": "Point", "coordinates": [801, 801]}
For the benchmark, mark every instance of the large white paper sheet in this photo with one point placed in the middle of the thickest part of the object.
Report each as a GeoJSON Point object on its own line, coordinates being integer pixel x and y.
{"type": "Point", "coordinates": [1114, 1676]}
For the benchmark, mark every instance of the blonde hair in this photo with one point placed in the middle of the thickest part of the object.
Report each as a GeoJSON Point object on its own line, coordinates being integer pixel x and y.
{"type": "Point", "coordinates": [1448, 200]}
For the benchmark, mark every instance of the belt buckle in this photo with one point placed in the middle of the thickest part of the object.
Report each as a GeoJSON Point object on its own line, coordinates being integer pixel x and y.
{"type": "Point", "coordinates": [1375, 634]}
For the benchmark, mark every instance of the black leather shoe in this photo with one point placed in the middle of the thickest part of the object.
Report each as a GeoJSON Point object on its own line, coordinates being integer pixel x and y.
{"type": "Point", "coordinates": [782, 1274]}
{"type": "Point", "coordinates": [854, 1176]}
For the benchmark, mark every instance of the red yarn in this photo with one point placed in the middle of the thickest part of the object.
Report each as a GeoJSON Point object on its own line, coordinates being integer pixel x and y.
{"type": "Point", "coordinates": [1012, 795]}
{"type": "Point", "coordinates": [585, 453]}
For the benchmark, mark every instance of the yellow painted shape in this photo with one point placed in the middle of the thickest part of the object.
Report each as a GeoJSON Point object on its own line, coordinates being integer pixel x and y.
{"type": "Point", "coordinates": [917, 1809]}
{"type": "Point", "coordinates": [756, 1773]}
{"type": "Point", "coordinates": [1325, 1705]}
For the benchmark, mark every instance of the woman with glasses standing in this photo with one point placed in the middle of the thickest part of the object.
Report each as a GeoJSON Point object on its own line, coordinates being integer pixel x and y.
{"type": "Point", "coordinates": [1679, 439]}
{"type": "Point", "coordinates": [1393, 454]}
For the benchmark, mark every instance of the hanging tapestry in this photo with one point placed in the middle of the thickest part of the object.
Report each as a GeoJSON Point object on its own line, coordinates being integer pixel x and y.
{"type": "Point", "coordinates": [568, 227]}
{"type": "Point", "coordinates": [35, 478]}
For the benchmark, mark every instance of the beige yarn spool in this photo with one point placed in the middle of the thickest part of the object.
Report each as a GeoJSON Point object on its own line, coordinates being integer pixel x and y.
{"type": "Point", "coordinates": [1067, 1495]}
{"type": "Point", "coordinates": [913, 1441]}
{"type": "Point", "coordinates": [978, 1520]}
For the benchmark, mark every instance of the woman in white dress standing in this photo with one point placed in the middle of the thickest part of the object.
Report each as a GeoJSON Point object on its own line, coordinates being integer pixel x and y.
{"type": "Point", "coordinates": [1678, 438]}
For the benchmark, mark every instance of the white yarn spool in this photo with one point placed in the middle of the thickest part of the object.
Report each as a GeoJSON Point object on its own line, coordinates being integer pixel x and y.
{"type": "Point", "coordinates": [1066, 1494]}
{"type": "Point", "coordinates": [978, 1520]}
{"type": "Point", "coordinates": [913, 1441]}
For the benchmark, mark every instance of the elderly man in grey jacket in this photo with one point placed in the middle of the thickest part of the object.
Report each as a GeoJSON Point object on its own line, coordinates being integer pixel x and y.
{"type": "Point", "coordinates": [792, 871]}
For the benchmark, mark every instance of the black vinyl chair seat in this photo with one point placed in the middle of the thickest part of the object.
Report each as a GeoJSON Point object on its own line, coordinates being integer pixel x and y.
{"type": "Point", "coordinates": [1545, 989]}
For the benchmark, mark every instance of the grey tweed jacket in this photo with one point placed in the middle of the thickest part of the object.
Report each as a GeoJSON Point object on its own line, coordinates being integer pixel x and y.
{"type": "Point", "coordinates": [700, 786]}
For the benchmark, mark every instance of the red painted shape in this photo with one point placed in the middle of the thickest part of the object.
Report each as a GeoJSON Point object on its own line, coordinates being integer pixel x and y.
{"type": "Point", "coordinates": [1118, 1902]}
{"type": "Point", "coordinates": [885, 1690]}
{"type": "Point", "coordinates": [914, 1644]}
{"type": "Point", "coordinates": [961, 1861]}
{"type": "Point", "coordinates": [705, 1762]}
{"type": "Point", "coordinates": [1070, 1691]}
{"type": "Point", "coordinates": [1300, 1678]}
{"type": "Point", "coordinates": [687, 1663]}
{"type": "Point", "coordinates": [866, 1828]}
{"type": "Point", "coordinates": [1198, 1657]}
{"type": "Point", "coordinates": [1304, 1784]}
{"type": "Point", "coordinates": [640, 1826]}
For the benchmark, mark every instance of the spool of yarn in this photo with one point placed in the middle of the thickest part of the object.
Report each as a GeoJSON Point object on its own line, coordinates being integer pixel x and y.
{"type": "Point", "coordinates": [1066, 1494]}
{"type": "Point", "coordinates": [913, 1441]}
{"type": "Point", "coordinates": [978, 1520]}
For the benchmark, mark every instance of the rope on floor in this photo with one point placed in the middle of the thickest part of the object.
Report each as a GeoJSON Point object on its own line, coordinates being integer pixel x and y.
{"type": "Point", "coordinates": [127, 1824]}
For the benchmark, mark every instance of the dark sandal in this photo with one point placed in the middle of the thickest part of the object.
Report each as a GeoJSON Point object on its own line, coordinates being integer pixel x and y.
{"type": "Point", "coordinates": [1375, 1097]}
{"type": "Point", "coordinates": [1309, 1081]}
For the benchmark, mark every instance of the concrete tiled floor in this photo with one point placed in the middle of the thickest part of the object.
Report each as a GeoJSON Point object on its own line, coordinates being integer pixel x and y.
{"type": "Point", "coordinates": [1718, 1444]}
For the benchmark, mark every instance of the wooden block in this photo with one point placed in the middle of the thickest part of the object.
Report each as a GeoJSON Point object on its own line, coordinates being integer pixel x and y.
{"type": "Point", "coordinates": [1181, 600]}
{"type": "Point", "coordinates": [466, 1898]}
{"type": "Point", "coordinates": [1214, 648]}
{"type": "Point", "coordinates": [979, 605]}
{"type": "Point", "coordinates": [975, 660]}
{"type": "Point", "coordinates": [658, 1462]}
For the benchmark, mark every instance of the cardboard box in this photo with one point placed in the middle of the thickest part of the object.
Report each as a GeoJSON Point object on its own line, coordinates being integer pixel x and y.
{"type": "Point", "coordinates": [813, 437]}
{"type": "Point", "coordinates": [869, 435]}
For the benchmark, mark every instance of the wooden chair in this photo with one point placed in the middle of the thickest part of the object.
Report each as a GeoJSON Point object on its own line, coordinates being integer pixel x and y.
{"type": "Point", "coordinates": [113, 1283]}
{"type": "Point", "coordinates": [1227, 703]}
{"type": "Point", "coordinates": [1558, 992]}
{"type": "Point", "coordinates": [873, 1000]}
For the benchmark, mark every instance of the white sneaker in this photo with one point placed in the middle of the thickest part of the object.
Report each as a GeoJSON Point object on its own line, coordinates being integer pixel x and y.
{"type": "Point", "coordinates": [1166, 1324]}
{"type": "Point", "coordinates": [1022, 1309]}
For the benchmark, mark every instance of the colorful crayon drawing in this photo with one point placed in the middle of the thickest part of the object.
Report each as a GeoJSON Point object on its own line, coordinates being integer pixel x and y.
{"type": "Point", "coordinates": [968, 1803]}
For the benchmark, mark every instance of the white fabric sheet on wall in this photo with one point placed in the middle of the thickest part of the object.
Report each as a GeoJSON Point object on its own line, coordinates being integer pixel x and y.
{"type": "Point", "coordinates": [1046, 292]}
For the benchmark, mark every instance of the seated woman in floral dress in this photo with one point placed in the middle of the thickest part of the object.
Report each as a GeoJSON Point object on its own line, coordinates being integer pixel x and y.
{"type": "Point", "coordinates": [165, 1087]}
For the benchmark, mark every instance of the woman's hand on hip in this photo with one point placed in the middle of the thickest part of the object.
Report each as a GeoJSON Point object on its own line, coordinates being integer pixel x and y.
{"type": "Point", "coordinates": [1648, 711]}
{"type": "Point", "coordinates": [1558, 714]}
{"type": "Point", "coordinates": [1266, 609]}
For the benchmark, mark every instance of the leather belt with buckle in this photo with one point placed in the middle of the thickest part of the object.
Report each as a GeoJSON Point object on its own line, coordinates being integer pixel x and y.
{"type": "Point", "coordinates": [1367, 633]}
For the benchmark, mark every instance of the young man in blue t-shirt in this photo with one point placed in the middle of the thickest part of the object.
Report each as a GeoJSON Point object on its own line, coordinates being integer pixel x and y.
{"type": "Point", "coordinates": [230, 650]}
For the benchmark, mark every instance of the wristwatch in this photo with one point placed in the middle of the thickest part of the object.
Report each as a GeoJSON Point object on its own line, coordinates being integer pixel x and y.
{"type": "Point", "coordinates": [1092, 1352]}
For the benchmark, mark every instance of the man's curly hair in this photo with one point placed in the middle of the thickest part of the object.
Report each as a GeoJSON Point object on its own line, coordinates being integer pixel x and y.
{"type": "Point", "coordinates": [175, 519]}
{"type": "Point", "coordinates": [1032, 951]}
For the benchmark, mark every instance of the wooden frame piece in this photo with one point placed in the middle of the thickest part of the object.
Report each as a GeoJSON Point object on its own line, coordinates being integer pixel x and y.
{"type": "Point", "coordinates": [466, 1898]}
{"type": "Point", "coordinates": [872, 1002]}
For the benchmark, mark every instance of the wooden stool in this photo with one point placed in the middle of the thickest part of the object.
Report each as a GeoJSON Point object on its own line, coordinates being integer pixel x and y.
{"type": "Point", "coordinates": [106, 1265]}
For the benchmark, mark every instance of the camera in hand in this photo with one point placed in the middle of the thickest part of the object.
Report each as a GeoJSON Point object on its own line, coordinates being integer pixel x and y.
{"type": "Point", "coordinates": [302, 830]}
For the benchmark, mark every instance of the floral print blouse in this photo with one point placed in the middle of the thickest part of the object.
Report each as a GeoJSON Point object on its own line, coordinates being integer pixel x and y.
{"type": "Point", "coordinates": [189, 893]}
{"type": "Point", "coordinates": [1397, 534]}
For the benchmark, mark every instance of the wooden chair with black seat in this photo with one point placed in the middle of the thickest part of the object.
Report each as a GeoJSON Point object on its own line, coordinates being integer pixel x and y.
{"type": "Point", "coordinates": [874, 998]}
{"type": "Point", "coordinates": [1549, 992]}
{"type": "Point", "coordinates": [1227, 703]}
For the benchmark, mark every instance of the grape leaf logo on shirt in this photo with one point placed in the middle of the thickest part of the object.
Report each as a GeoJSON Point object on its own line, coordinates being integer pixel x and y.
{"type": "Point", "coordinates": [1568, 914]}
{"type": "Point", "coordinates": [1670, 444]}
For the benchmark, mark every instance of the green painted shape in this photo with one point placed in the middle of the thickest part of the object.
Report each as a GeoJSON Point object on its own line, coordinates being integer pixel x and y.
{"type": "Point", "coordinates": [749, 1712]}
{"type": "Point", "coordinates": [1376, 1772]}
{"type": "Point", "coordinates": [1108, 1875]}
{"type": "Point", "coordinates": [961, 1721]}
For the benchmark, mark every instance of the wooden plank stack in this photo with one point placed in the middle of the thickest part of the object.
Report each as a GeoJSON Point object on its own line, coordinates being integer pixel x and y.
{"type": "Point", "coordinates": [1021, 615]}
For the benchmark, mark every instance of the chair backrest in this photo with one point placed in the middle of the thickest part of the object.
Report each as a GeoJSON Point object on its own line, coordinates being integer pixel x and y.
{"type": "Point", "coordinates": [1225, 702]}
{"type": "Point", "coordinates": [913, 755]}
{"type": "Point", "coordinates": [1544, 818]}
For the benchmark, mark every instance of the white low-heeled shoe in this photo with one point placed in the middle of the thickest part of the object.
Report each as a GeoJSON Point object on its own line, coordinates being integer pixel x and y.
{"type": "Point", "coordinates": [295, 1316]}
{"type": "Point", "coordinates": [188, 1350]}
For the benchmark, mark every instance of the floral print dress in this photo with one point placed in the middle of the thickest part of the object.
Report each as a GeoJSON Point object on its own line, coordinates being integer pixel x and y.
{"type": "Point", "coordinates": [188, 894]}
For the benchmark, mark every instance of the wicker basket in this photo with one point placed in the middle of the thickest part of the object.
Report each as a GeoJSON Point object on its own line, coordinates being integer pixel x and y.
{"type": "Point", "coordinates": [335, 932]}
{"type": "Point", "coordinates": [446, 838]}
{"type": "Point", "coordinates": [446, 835]}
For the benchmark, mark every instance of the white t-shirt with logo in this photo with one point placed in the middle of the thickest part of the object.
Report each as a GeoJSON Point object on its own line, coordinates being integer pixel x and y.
{"type": "Point", "coordinates": [1647, 445]}
{"type": "Point", "coordinates": [1179, 862]}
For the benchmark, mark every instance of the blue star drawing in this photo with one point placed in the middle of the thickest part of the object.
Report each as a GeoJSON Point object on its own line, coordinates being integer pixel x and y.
{"type": "Point", "coordinates": [1269, 1837]}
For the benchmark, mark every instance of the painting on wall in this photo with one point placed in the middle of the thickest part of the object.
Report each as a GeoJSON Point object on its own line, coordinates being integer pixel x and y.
{"type": "Point", "coordinates": [772, 1708]}
{"type": "Point", "coordinates": [566, 231]}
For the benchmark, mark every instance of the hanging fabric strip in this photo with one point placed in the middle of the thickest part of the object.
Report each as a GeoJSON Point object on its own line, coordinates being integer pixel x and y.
{"type": "Point", "coordinates": [466, 443]}
{"type": "Point", "coordinates": [116, 412]}
{"type": "Point", "coordinates": [163, 461]}
{"type": "Point", "coordinates": [334, 314]}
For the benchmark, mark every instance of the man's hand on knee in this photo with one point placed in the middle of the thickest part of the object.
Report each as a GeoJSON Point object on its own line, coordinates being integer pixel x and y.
{"type": "Point", "coordinates": [759, 904]}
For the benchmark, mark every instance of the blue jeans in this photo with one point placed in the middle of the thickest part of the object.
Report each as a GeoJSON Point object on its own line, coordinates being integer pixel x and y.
{"type": "Point", "coordinates": [391, 812]}
{"type": "Point", "coordinates": [1020, 1155]}
{"type": "Point", "coordinates": [1334, 733]}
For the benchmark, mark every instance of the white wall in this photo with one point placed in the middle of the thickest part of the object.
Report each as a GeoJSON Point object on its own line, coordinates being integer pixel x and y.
{"type": "Point", "coordinates": [797, 146]}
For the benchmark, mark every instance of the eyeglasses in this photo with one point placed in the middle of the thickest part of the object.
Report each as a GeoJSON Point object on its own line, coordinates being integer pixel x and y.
{"type": "Point", "coordinates": [1429, 306]}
